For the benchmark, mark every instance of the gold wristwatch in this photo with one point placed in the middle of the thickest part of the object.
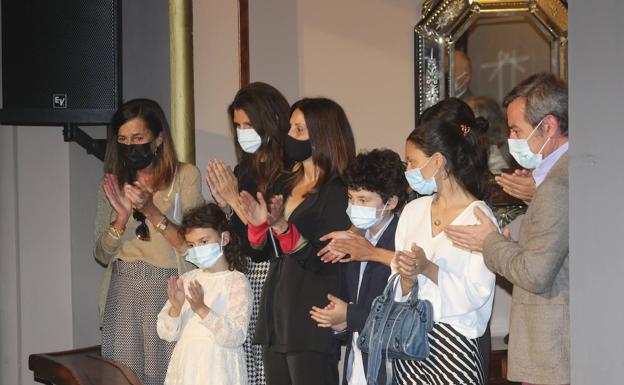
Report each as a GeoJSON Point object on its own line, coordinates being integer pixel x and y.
{"type": "Point", "coordinates": [162, 225]}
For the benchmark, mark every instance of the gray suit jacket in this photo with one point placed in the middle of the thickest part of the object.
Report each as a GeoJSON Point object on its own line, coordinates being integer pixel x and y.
{"type": "Point", "coordinates": [538, 267]}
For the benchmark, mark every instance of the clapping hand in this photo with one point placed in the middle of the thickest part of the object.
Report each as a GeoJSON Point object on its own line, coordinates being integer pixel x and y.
{"type": "Point", "coordinates": [520, 184]}
{"type": "Point", "coordinates": [118, 199]}
{"type": "Point", "coordinates": [409, 264]}
{"type": "Point", "coordinates": [196, 299]}
{"type": "Point", "coordinates": [222, 183]}
{"type": "Point", "coordinates": [333, 315]}
{"type": "Point", "coordinates": [276, 209]}
{"type": "Point", "coordinates": [329, 254]}
{"type": "Point", "coordinates": [343, 243]}
{"type": "Point", "coordinates": [472, 237]}
{"type": "Point", "coordinates": [256, 211]}
{"type": "Point", "coordinates": [175, 293]}
{"type": "Point", "coordinates": [140, 195]}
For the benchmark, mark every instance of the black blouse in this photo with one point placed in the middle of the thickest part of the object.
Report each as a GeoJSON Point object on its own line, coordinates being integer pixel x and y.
{"type": "Point", "coordinates": [300, 280]}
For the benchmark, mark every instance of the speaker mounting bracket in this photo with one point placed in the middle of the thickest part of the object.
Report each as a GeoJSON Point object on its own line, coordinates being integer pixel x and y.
{"type": "Point", "coordinates": [73, 133]}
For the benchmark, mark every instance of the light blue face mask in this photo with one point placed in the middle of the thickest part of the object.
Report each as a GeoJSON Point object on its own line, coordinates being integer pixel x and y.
{"type": "Point", "coordinates": [205, 256]}
{"type": "Point", "coordinates": [364, 217]}
{"type": "Point", "coordinates": [521, 152]}
{"type": "Point", "coordinates": [418, 183]}
{"type": "Point", "coordinates": [248, 139]}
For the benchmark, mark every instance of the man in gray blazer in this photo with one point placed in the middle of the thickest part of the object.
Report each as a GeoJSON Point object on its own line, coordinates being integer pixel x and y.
{"type": "Point", "coordinates": [537, 264]}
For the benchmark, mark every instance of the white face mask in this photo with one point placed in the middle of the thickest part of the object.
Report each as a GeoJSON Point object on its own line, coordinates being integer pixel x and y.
{"type": "Point", "coordinates": [364, 217]}
{"type": "Point", "coordinates": [461, 86]}
{"type": "Point", "coordinates": [418, 183]}
{"type": "Point", "coordinates": [207, 255]}
{"type": "Point", "coordinates": [248, 139]}
{"type": "Point", "coordinates": [520, 150]}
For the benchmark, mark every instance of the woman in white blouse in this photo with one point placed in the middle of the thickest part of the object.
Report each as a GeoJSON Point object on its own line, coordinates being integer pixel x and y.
{"type": "Point", "coordinates": [449, 161]}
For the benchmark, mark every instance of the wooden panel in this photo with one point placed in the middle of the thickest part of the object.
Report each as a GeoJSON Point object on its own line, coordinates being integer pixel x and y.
{"type": "Point", "coordinates": [243, 39]}
{"type": "Point", "coordinates": [80, 367]}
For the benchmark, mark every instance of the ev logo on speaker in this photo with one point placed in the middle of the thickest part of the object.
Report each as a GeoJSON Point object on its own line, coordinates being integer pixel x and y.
{"type": "Point", "coordinates": [59, 100]}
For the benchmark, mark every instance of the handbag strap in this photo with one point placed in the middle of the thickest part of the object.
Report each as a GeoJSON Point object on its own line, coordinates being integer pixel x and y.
{"type": "Point", "coordinates": [393, 282]}
{"type": "Point", "coordinates": [375, 344]}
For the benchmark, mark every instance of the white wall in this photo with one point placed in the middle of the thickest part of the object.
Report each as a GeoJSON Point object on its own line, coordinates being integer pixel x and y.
{"type": "Point", "coordinates": [10, 347]}
{"type": "Point", "coordinates": [596, 186]}
{"type": "Point", "coordinates": [85, 174]}
{"type": "Point", "coordinates": [274, 45]}
{"type": "Point", "coordinates": [216, 63]}
{"type": "Point", "coordinates": [360, 53]}
{"type": "Point", "coordinates": [36, 251]}
{"type": "Point", "coordinates": [357, 52]}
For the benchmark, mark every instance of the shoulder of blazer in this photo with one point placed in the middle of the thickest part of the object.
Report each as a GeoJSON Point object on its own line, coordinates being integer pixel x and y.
{"type": "Point", "coordinates": [387, 238]}
{"type": "Point", "coordinates": [333, 183]}
{"type": "Point", "coordinates": [558, 174]}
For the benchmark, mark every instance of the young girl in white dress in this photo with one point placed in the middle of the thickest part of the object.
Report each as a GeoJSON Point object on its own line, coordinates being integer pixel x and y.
{"type": "Point", "coordinates": [209, 307]}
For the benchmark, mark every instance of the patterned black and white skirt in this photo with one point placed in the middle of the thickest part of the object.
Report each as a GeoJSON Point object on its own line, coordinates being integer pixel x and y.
{"type": "Point", "coordinates": [256, 273]}
{"type": "Point", "coordinates": [454, 359]}
{"type": "Point", "coordinates": [138, 290]}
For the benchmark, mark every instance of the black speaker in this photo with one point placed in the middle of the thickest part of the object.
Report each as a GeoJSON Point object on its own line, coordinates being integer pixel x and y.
{"type": "Point", "coordinates": [61, 61]}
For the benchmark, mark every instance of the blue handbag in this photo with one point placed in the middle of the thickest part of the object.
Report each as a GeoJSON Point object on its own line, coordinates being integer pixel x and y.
{"type": "Point", "coordinates": [395, 330]}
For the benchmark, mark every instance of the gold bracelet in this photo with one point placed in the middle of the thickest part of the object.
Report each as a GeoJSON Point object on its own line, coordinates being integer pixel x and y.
{"type": "Point", "coordinates": [115, 232]}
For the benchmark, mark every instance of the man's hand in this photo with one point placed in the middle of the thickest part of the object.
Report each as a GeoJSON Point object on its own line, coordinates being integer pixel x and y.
{"type": "Point", "coordinates": [520, 184]}
{"type": "Point", "coordinates": [472, 237]}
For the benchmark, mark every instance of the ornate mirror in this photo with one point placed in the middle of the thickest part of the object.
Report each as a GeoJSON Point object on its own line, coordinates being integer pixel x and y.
{"type": "Point", "coordinates": [447, 24]}
{"type": "Point", "coordinates": [479, 50]}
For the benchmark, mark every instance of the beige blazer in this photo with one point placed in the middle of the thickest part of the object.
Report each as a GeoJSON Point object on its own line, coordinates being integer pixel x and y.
{"type": "Point", "coordinates": [538, 267]}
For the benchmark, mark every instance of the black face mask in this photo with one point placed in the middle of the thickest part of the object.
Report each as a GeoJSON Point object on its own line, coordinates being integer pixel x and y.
{"type": "Point", "coordinates": [297, 150]}
{"type": "Point", "coordinates": [137, 156]}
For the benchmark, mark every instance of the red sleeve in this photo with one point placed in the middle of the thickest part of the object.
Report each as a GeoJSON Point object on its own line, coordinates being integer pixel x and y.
{"type": "Point", "coordinates": [289, 240]}
{"type": "Point", "coordinates": [257, 234]}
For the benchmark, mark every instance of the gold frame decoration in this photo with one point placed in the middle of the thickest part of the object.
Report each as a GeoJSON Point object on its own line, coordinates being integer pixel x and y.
{"type": "Point", "coordinates": [445, 21]}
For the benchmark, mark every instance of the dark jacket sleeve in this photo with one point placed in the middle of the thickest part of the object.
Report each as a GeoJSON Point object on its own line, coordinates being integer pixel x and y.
{"type": "Point", "coordinates": [358, 312]}
{"type": "Point", "coordinates": [356, 316]}
{"type": "Point", "coordinates": [326, 213]}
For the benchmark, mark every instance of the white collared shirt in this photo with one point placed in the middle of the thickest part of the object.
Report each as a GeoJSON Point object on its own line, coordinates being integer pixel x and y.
{"type": "Point", "coordinates": [542, 169]}
{"type": "Point", "coordinates": [464, 293]}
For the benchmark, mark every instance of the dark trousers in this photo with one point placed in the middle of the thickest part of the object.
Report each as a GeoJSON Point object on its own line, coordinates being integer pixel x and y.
{"type": "Point", "coordinates": [300, 368]}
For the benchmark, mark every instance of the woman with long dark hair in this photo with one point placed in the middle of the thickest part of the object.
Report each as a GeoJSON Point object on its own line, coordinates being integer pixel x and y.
{"type": "Point", "coordinates": [144, 192]}
{"type": "Point", "coordinates": [447, 162]}
{"type": "Point", "coordinates": [303, 205]}
{"type": "Point", "coordinates": [259, 122]}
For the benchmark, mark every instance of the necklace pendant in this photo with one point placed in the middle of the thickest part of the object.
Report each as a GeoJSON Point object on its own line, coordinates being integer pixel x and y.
{"type": "Point", "coordinates": [437, 222]}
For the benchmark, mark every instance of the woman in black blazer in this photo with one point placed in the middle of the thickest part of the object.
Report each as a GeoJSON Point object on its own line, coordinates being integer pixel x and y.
{"type": "Point", "coordinates": [304, 204]}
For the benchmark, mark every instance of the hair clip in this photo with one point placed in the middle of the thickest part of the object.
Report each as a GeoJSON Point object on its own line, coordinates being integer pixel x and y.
{"type": "Point", "coordinates": [465, 129]}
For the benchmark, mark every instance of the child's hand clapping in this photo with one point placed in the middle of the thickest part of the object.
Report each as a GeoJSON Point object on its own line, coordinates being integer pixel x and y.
{"type": "Point", "coordinates": [196, 299]}
{"type": "Point", "coordinates": [333, 315]}
{"type": "Point", "coordinates": [175, 292]}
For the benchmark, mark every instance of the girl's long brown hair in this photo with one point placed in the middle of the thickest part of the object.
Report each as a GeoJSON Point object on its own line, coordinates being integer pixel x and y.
{"type": "Point", "coordinates": [268, 112]}
{"type": "Point", "coordinates": [165, 161]}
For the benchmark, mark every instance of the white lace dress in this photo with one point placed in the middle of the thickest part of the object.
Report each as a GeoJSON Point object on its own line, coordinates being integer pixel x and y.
{"type": "Point", "coordinates": [209, 351]}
